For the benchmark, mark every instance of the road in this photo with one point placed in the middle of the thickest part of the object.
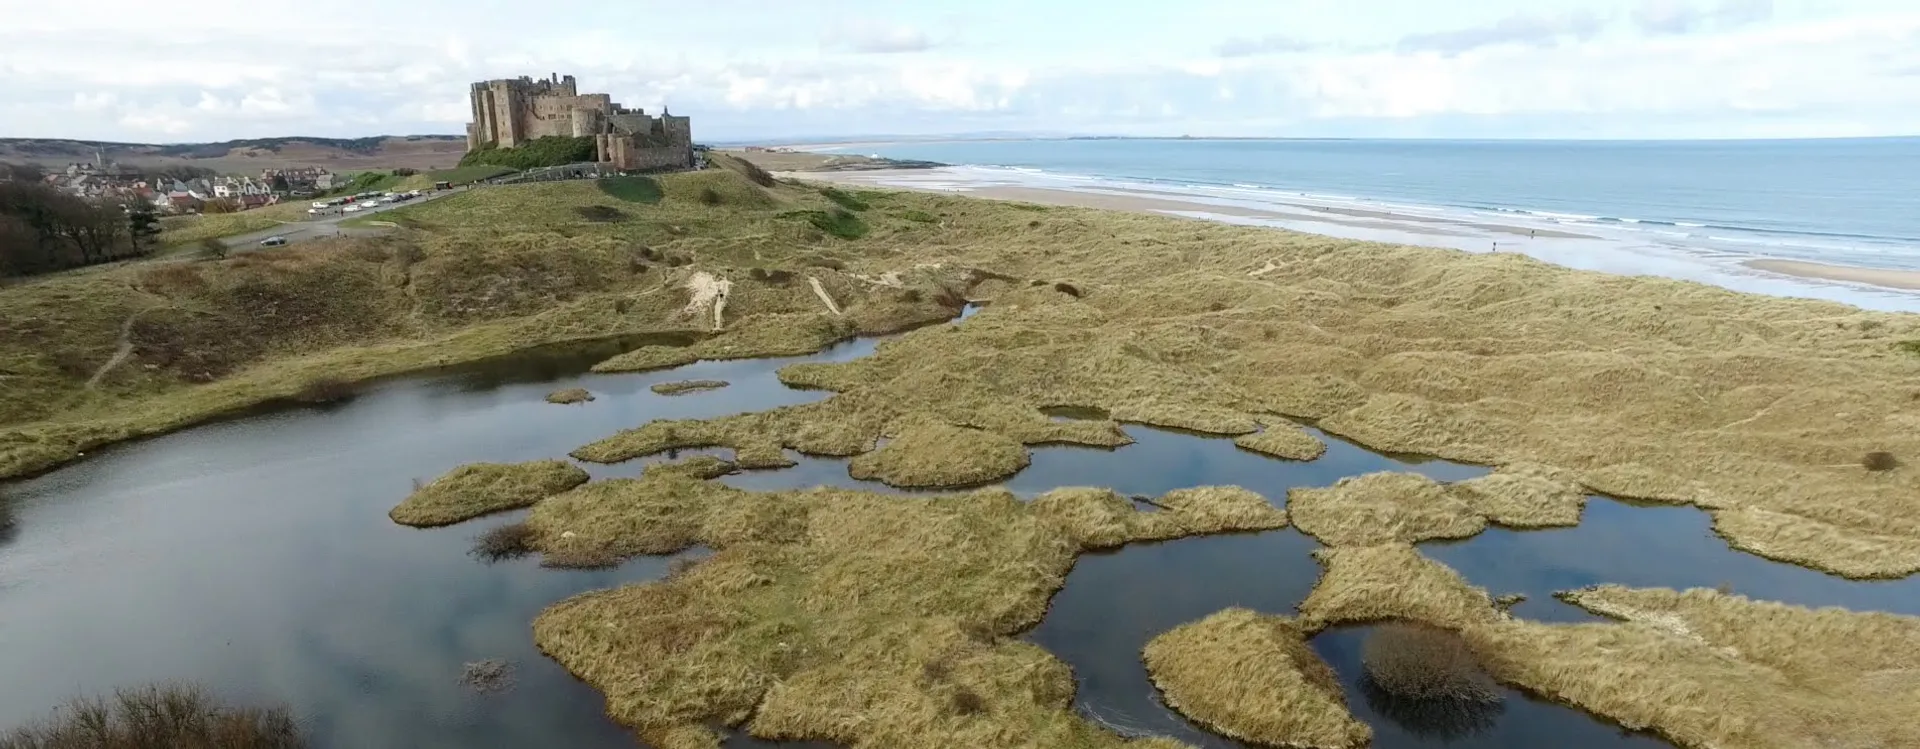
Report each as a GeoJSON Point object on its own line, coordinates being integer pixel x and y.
{"type": "Point", "coordinates": [328, 224]}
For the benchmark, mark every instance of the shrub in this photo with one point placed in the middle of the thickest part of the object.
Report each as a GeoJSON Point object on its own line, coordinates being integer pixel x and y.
{"type": "Point", "coordinates": [553, 150]}
{"type": "Point", "coordinates": [911, 296]}
{"type": "Point", "coordinates": [844, 199]}
{"type": "Point", "coordinates": [604, 214]}
{"type": "Point", "coordinates": [919, 216]}
{"type": "Point", "coordinates": [212, 248]}
{"type": "Point", "coordinates": [1911, 347]}
{"type": "Point", "coordinates": [174, 716]}
{"type": "Point", "coordinates": [711, 196]}
{"type": "Point", "coordinates": [1879, 461]}
{"type": "Point", "coordinates": [1067, 289]}
{"type": "Point", "coordinates": [510, 541]}
{"type": "Point", "coordinates": [1423, 662]}
{"type": "Point", "coordinates": [405, 172]}
{"type": "Point", "coordinates": [838, 222]}
{"type": "Point", "coordinates": [1034, 224]}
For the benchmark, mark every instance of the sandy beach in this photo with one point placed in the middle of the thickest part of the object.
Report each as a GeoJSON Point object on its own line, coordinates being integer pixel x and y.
{"type": "Point", "coordinates": [1143, 201]}
{"type": "Point", "coordinates": [1588, 251]}
{"type": "Point", "coordinates": [1893, 279]}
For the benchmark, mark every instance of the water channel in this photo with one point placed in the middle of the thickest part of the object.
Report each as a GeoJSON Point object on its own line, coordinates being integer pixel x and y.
{"type": "Point", "coordinates": [255, 556]}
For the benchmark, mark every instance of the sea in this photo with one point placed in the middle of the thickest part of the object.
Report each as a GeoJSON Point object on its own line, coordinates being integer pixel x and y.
{"type": "Point", "coordinates": [1696, 210]}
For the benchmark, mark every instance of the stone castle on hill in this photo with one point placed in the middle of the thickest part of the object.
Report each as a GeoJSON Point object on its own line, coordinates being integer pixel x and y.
{"type": "Point", "coordinates": [509, 112]}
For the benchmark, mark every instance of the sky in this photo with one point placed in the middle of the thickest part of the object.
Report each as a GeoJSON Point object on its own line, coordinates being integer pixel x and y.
{"type": "Point", "coordinates": [790, 70]}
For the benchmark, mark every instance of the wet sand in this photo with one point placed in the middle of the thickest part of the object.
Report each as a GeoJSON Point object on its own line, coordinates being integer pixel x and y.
{"type": "Point", "coordinates": [1895, 279]}
{"type": "Point", "coordinates": [1142, 201]}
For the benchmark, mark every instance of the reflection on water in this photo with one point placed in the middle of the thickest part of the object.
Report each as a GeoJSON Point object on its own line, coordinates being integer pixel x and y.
{"type": "Point", "coordinates": [255, 556]}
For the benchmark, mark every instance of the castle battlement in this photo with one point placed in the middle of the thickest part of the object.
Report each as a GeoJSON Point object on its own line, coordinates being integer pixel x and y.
{"type": "Point", "coordinates": [508, 112]}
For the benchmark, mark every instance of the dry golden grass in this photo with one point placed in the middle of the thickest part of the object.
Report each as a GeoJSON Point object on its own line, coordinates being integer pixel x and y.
{"type": "Point", "coordinates": [1100, 519]}
{"type": "Point", "coordinates": [1385, 508]}
{"type": "Point", "coordinates": [1252, 677]}
{"type": "Point", "coordinates": [1283, 440]}
{"type": "Point", "coordinates": [687, 386]}
{"type": "Point", "coordinates": [1702, 668]}
{"type": "Point", "coordinates": [471, 491]}
{"type": "Point", "coordinates": [1524, 496]}
{"type": "Point", "coordinates": [1639, 387]}
{"type": "Point", "coordinates": [930, 453]}
{"type": "Point", "coordinates": [569, 396]}
{"type": "Point", "coordinates": [1381, 508]}
{"type": "Point", "coordinates": [648, 358]}
{"type": "Point", "coordinates": [827, 614]}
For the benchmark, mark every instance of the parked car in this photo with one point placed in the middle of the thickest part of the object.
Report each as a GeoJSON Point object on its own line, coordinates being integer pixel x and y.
{"type": "Point", "coordinates": [273, 241]}
{"type": "Point", "coordinates": [354, 208]}
{"type": "Point", "coordinates": [321, 204]}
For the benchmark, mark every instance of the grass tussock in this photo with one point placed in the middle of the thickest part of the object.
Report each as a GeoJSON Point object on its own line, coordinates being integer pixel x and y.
{"type": "Point", "coordinates": [648, 358]}
{"type": "Point", "coordinates": [471, 491]}
{"type": "Point", "coordinates": [1100, 519]}
{"type": "Point", "coordinates": [1253, 678]}
{"type": "Point", "coordinates": [1879, 461]}
{"type": "Point", "coordinates": [569, 396]}
{"type": "Point", "coordinates": [684, 387]}
{"type": "Point", "coordinates": [1283, 440]}
{"type": "Point", "coordinates": [174, 716]}
{"type": "Point", "coordinates": [928, 454]}
{"type": "Point", "coordinates": [817, 605]}
{"type": "Point", "coordinates": [1385, 508]}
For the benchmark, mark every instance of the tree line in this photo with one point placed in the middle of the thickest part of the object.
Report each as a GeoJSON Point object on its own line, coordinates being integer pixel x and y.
{"type": "Point", "coordinates": [43, 229]}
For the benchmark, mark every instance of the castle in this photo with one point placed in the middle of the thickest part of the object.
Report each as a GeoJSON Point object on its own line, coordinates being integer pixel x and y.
{"type": "Point", "coordinates": [509, 112]}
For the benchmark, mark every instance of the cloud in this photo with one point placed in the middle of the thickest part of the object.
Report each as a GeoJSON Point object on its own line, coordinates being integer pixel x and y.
{"type": "Point", "coordinates": [147, 77]}
{"type": "Point", "coordinates": [1683, 17]}
{"type": "Point", "coordinates": [1522, 29]}
{"type": "Point", "coordinates": [871, 38]}
{"type": "Point", "coordinates": [1262, 45]}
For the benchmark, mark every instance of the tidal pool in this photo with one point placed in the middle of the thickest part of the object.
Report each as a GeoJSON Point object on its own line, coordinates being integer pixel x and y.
{"type": "Point", "coordinates": [255, 556]}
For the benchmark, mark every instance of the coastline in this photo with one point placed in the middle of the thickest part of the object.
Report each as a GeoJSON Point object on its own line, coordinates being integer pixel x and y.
{"type": "Point", "coordinates": [1882, 277]}
{"type": "Point", "coordinates": [1883, 289]}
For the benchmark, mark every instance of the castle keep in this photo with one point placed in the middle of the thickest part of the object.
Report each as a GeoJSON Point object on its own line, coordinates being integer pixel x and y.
{"type": "Point", "coordinates": [509, 112]}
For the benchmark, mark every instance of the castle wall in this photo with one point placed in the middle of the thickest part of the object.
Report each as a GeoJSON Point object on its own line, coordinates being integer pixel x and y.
{"type": "Point", "coordinates": [510, 112]}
